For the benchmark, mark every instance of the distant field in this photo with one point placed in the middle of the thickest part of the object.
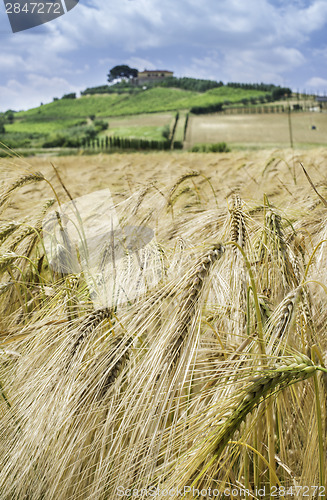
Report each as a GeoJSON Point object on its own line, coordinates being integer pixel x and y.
{"type": "Point", "coordinates": [148, 120]}
{"type": "Point", "coordinates": [147, 126]}
{"type": "Point", "coordinates": [42, 127]}
{"type": "Point", "coordinates": [269, 129]}
{"type": "Point", "coordinates": [238, 131]}
{"type": "Point", "coordinates": [146, 114]}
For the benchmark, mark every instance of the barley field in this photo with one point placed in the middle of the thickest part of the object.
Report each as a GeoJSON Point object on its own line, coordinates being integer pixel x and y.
{"type": "Point", "coordinates": [163, 326]}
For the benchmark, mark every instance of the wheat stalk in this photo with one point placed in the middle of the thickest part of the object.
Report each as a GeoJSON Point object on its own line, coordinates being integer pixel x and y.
{"type": "Point", "coordinates": [189, 299]}
{"type": "Point", "coordinates": [275, 233]}
{"type": "Point", "coordinates": [27, 230]}
{"type": "Point", "coordinates": [238, 274]}
{"type": "Point", "coordinates": [111, 364]}
{"type": "Point", "coordinates": [281, 318]}
{"type": "Point", "coordinates": [275, 379]}
{"type": "Point", "coordinates": [88, 325]}
{"type": "Point", "coordinates": [115, 366]}
{"type": "Point", "coordinates": [178, 182]}
{"type": "Point", "coordinates": [141, 198]}
{"type": "Point", "coordinates": [5, 286]}
{"type": "Point", "coordinates": [7, 229]}
{"type": "Point", "coordinates": [6, 260]}
{"type": "Point", "coordinates": [182, 191]}
{"type": "Point", "coordinates": [238, 229]}
{"type": "Point", "coordinates": [25, 179]}
{"type": "Point", "coordinates": [267, 382]}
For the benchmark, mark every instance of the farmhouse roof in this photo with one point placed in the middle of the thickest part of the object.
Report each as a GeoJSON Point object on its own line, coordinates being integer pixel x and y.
{"type": "Point", "coordinates": [321, 98]}
{"type": "Point", "coordinates": [156, 71]}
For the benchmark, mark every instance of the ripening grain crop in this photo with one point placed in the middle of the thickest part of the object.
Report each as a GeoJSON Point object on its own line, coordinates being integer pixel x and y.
{"type": "Point", "coordinates": [211, 376]}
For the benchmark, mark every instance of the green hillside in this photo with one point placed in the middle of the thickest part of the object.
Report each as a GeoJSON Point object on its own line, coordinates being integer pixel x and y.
{"type": "Point", "coordinates": [147, 101]}
{"type": "Point", "coordinates": [67, 121]}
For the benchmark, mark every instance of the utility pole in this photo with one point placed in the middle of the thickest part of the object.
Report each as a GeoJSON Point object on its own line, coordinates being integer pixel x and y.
{"type": "Point", "coordinates": [290, 126]}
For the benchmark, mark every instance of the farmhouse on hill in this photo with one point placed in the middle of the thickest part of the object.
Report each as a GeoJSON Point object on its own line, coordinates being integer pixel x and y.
{"type": "Point", "coordinates": [151, 76]}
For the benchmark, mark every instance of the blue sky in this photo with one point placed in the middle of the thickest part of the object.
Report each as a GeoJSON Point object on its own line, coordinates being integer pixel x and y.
{"type": "Point", "coordinates": [272, 41]}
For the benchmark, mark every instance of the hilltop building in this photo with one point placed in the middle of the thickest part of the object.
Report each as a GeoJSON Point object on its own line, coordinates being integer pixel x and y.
{"type": "Point", "coordinates": [147, 76]}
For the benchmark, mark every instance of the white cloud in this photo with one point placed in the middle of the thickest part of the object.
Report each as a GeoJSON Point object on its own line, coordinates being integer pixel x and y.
{"type": "Point", "coordinates": [152, 23]}
{"type": "Point", "coordinates": [139, 63]}
{"type": "Point", "coordinates": [285, 57]}
{"type": "Point", "coordinates": [11, 62]}
{"type": "Point", "coordinates": [317, 83]}
{"type": "Point", "coordinates": [256, 40]}
{"type": "Point", "coordinates": [306, 20]}
{"type": "Point", "coordinates": [35, 89]}
{"type": "Point", "coordinates": [320, 53]}
{"type": "Point", "coordinates": [253, 65]}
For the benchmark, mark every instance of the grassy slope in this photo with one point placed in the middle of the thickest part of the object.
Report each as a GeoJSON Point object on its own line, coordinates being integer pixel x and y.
{"type": "Point", "coordinates": [59, 116]}
{"type": "Point", "coordinates": [144, 132]}
{"type": "Point", "coordinates": [71, 108]}
{"type": "Point", "coordinates": [152, 100]}
{"type": "Point", "coordinates": [40, 127]}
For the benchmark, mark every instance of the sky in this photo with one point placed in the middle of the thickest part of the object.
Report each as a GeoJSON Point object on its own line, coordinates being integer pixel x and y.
{"type": "Point", "coordinates": [272, 41]}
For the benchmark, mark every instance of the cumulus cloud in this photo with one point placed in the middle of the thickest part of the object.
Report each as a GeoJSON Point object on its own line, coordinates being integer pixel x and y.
{"type": "Point", "coordinates": [149, 23]}
{"type": "Point", "coordinates": [257, 40]}
{"type": "Point", "coordinates": [34, 90]}
{"type": "Point", "coordinates": [306, 20]}
{"type": "Point", "coordinates": [317, 83]}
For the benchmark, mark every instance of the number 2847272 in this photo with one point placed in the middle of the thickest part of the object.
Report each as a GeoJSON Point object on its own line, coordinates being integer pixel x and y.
{"type": "Point", "coordinates": [33, 8]}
